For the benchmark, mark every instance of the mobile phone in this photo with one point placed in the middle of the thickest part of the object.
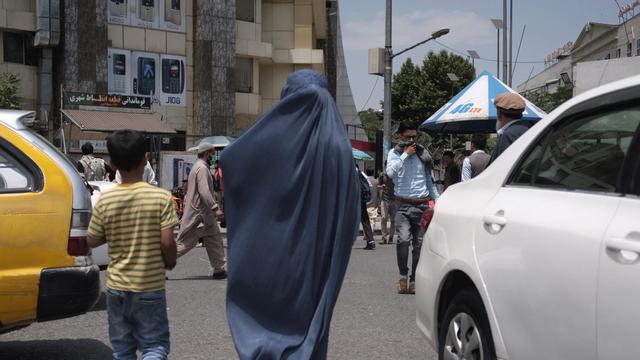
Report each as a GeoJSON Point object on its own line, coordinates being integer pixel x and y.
{"type": "Point", "coordinates": [172, 76]}
{"type": "Point", "coordinates": [118, 8]}
{"type": "Point", "coordinates": [118, 75]}
{"type": "Point", "coordinates": [146, 10]}
{"type": "Point", "coordinates": [172, 12]}
{"type": "Point", "coordinates": [146, 75]}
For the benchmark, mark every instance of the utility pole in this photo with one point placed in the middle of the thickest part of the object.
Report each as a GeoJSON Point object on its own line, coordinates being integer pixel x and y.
{"type": "Point", "coordinates": [505, 67]}
{"type": "Point", "coordinates": [510, 43]}
{"type": "Point", "coordinates": [388, 67]}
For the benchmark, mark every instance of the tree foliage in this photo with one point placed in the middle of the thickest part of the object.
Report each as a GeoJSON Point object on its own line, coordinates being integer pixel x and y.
{"type": "Point", "coordinates": [549, 101]}
{"type": "Point", "coordinates": [371, 122]}
{"type": "Point", "coordinates": [9, 87]}
{"type": "Point", "coordinates": [418, 91]}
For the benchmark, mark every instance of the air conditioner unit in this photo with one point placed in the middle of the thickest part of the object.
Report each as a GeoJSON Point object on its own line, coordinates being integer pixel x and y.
{"type": "Point", "coordinates": [376, 61]}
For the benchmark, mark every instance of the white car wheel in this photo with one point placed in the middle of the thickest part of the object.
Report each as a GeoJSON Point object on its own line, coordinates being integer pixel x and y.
{"type": "Point", "coordinates": [465, 333]}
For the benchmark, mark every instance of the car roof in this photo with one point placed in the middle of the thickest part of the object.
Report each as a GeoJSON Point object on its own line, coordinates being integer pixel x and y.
{"type": "Point", "coordinates": [17, 119]}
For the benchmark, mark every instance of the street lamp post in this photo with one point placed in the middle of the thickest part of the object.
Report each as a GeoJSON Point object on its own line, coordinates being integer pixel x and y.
{"type": "Point", "coordinates": [498, 24]}
{"type": "Point", "coordinates": [474, 55]}
{"type": "Point", "coordinates": [388, 67]}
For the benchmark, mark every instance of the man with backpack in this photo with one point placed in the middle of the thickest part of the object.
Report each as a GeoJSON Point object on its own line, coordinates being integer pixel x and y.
{"type": "Point", "coordinates": [365, 197]}
{"type": "Point", "coordinates": [94, 168]}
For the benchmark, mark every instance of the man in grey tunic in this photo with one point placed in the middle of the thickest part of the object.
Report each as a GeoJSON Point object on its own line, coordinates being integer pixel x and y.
{"type": "Point", "coordinates": [200, 214]}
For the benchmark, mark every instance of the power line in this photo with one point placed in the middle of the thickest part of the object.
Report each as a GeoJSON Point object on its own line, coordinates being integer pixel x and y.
{"type": "Point", "coordinates": [485, 59]}
{"type": "Point", "coordinates": [369, 98]}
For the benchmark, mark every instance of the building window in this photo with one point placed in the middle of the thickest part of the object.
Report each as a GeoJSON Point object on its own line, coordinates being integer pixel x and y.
{"type": "Point", "coordinates": [246, 10]}
{"type": "Point", "coordinates": [629, 49]}
{"type": "Point", "coordinates": [13, 47]}
{"type": "Point", "coordinates": [17, 48]}
{"type": "Point", "coordinates": [244, 75]}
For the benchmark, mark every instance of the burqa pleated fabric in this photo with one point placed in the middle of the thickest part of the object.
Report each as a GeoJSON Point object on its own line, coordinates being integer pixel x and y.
{"type": "Point", "coordinates": [292, 212]}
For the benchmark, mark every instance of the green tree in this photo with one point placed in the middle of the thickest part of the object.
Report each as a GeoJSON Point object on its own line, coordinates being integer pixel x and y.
{"type": "Point", "coordinates": [549, 101]}
{"type": "Point", "coordinates": [419, 91]}
{"type": "Point", "coordinates": [371, 122]}
{"type": "Point", "coordinates": [9, 87]}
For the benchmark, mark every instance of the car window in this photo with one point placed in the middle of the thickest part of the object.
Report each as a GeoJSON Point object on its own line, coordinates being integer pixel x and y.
{"type": "Point", "coordinates": [14, 177]}
{"type": "Point", "coordinates": [581, 153]}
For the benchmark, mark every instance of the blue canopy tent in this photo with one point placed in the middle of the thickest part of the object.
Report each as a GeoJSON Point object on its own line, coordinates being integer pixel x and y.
{"type": "Point", "coordinates": [472, 110]}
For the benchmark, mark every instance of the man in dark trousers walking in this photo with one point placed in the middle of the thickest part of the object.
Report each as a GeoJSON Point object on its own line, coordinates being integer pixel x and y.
{"type": "Point", "coordinates": [409, 165]}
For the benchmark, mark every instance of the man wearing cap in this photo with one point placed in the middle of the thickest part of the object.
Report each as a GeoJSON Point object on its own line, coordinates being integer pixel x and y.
{"type": "Point", "coordinates": [509, 124]}
{"type": "Point", "coordinates": [201, 212]}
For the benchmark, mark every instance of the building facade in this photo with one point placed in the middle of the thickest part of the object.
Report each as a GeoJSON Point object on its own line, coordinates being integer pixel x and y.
{"type": "Point", "coordinates": [184, 69]}
{"type": "Point", "coordinates": [602, 52]}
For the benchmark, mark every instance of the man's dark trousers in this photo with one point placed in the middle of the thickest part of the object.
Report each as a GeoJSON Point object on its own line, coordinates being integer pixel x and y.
{"type": "Point", "coordinates": [408, 231]}
{"type": "Point", "coordinates": [366, 223]}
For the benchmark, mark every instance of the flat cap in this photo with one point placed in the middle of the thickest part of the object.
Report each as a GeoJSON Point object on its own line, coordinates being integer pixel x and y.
{"type": "Point", "coordinates": [509, 102]}
{"type": "Point", "coordinates": [202, 147]}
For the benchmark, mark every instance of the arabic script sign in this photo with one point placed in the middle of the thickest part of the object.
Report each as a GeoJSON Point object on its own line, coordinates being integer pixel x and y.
{"type": "Point", "coordinates": [121, 101]}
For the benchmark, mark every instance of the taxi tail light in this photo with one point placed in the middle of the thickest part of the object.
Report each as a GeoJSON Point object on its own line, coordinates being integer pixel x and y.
{"type": "Point", "coordinates": [77, 244]}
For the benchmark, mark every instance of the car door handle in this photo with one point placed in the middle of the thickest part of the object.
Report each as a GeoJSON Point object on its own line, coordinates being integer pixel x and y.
{"type": "Point", "coordinates": [494, 224]}
{"type": "Point", "coordinates": [495, 220]}
{"type": "Point", "coordinates": [624, 251]}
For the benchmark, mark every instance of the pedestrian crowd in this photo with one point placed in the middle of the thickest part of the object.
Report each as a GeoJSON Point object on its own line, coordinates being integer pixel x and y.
{"type": "Point", "coordinates": [285, 236]}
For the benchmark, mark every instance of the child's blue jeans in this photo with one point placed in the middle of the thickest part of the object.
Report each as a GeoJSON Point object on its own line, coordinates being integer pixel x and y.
{"type": "Point", "coordinates": [138, 321]}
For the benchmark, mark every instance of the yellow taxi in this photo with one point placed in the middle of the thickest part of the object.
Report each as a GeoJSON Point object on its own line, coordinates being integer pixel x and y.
{"type": "Point", "coordinates": [45, 207]}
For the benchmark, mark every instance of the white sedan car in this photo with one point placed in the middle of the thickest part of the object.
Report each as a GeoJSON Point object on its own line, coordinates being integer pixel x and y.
{"type": "Point", "coordinates": [100, 255]}
{"type": "Point", "coordinates": [539, 256]}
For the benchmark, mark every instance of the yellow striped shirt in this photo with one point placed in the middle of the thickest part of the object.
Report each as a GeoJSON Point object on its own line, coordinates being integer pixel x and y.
{"type": "Point", "coordinates": [130, 218]}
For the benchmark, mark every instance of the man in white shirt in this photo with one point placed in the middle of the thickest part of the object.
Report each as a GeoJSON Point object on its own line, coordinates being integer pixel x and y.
{"type": "Point", "coordinates": [475, 163]}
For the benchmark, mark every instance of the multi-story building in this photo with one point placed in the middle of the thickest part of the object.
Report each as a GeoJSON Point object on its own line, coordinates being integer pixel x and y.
{"type": "Point", "coordinates": [601, 53]}
{"type": "Point", "coordinates": [176, 69]}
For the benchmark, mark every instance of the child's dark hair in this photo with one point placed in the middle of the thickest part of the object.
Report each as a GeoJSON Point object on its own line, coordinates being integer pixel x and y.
{"type": "Point", "coordinates": [126, 149]}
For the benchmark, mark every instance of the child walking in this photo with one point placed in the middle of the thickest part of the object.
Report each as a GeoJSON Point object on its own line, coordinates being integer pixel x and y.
{"type": "Point", "coordinates": [137, 221]}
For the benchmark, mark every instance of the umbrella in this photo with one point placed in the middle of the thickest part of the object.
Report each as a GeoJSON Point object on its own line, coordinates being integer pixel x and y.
{"type": "Point", "coordinates": [218, 141]}
{"type": "Point", "coordinates": [360, 155]}
{"type": "Point", "coordinates": [472, 110]}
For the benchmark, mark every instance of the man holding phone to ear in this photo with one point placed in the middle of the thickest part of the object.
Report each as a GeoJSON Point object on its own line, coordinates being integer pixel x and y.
{"type": "Point", "coordinates": [409, 165]}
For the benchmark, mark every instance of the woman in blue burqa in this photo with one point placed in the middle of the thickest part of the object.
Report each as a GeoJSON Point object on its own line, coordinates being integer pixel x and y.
{"type": "Point", "coordinates": [292, 210]}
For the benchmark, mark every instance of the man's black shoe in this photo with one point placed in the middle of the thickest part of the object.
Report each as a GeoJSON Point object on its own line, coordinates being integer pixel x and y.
{"type": "Point", "coordinates": [370, 246]}
{"type": "Point", "coordinates": [221, 275]}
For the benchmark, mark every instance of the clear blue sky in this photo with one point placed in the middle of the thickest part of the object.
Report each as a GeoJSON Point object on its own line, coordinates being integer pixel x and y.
{"type": "Point", "coordinates": [550, 24]}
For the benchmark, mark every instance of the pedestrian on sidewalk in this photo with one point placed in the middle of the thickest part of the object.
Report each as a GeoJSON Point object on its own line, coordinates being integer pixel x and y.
{"type": "Point", "coordinates": [201, 212]}
{"type": "Point", "coordinates": [291, 202]}
{"type": "Point", "coordinates": [137, 221]}
{"type": "Point", "coordinates": [387, 207]}
{"type": "Point", "coordinates": [409, 165]}
{"type": "Point", "coordinates": [365, 198]}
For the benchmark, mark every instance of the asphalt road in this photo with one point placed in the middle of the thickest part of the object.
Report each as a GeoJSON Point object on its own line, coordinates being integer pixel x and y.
{"type": "Point", "coordinates": [370, 321]}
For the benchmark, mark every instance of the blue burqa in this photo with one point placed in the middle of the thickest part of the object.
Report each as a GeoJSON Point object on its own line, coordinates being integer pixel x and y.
{"type": "Point", "coordinates": [292, 212]}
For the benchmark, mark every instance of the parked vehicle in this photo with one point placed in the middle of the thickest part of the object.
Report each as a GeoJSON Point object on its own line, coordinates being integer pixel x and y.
{"type": "Point", "coordinates": [539, 256]}
{"type": "Point", "coordinates": [100, 255]}
{"type": "Point", "coordinates": [45, 271]}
